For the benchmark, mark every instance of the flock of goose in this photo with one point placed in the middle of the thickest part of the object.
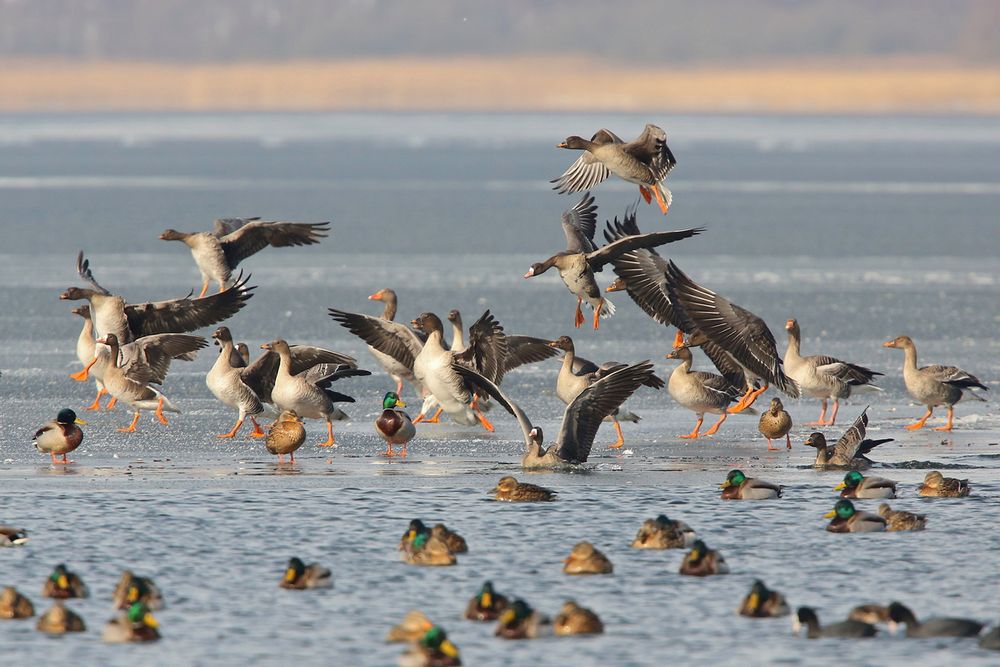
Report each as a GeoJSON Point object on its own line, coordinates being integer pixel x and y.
{"type": "Point", "coordinates": [128, 350]}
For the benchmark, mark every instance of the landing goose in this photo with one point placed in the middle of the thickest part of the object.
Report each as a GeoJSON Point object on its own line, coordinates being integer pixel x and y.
{"type": "Point", "coordinates": [131, 385]}
{"type": "Point", "coordinates": [645, 161]}
{"type": "Point", "coordinates": [218, 252]}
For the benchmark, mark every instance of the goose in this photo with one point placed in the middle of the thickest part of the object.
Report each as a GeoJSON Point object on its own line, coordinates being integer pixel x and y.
{"type": "Point", "coordinates": [60, 436]}
{"type": "Point", "coordinates": [227, 384]}
{"type": "Point", "coordinates": [576, 374]}
{"type": "Point", "coordinates": [299, 576]}
{"type": "Point", "coordinates": [433, 649]}
{"type": "Point", "coordinates": [12, 537]}
{"type": "Point", "coordinates": [823, 377]}
{"type": "Point", "coordinates": [807, 617]}
{"type": "Point", "coordinates": [486, 605]}
{"type": "Point", "coordinates": [397, 371]}
{"type": "Point", "coordinates": [900, 520]}
{"type": "Point", "coordinates": [584, 558]}
{"type": "Point", "coordinates": [936, 485]}
{"type": "Point", "coordinates": [85, 344]}
{"type": "Point", "coordinates": [573, 619]}
{"type": "Point", "coordinates": [136, 624]}
{"type": "Point", "coordinates": [775, 423]}
{"type": "Point", "coordinates": [581, 418]}
{"type": "Point", "coordinates": [845, 518]}
{"type": "Point", "coordinates": [15, 605]}
{"type": "Point", "coordinates": [856, 485]}
{"type": "Point", "coordinates": [933, 627]}
{"type": "Point", "coordinates": [934, 385]}
{"type": "Point", "coordinates": [131, 385]}
{"type": "Point", "coordinates": [700, 392]}
{"type": "Point", "coordinates": [733, 328]}
{"type": "Point", "coordinates": [582, 258]}
{"type": "Point", "coordinates": [762, 602]}
{"type": "Point", "coordinates": [740, 487]}
{"type": "Point", "coordinates": [218, 252]}
{"type": "Point", "coordinates": [310, 398]}
{"type": "Point", "coordinates": [644, 161]}
{"type": "Point", "coordinates": [59, 620]}
{"type": "Point", "coordinates": [850, 450]}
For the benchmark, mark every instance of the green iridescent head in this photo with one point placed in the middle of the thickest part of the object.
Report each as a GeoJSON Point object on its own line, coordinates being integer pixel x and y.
{"type": "Point", "coordinates": [139, 613]}
{"type": "Point", "coordinates": [734, 478]}
{"type": "Point", "coordinates": [391, 401]}
{"type": "Point", "coordinates": [844, 509]}
{"type": "Point", "coordinates": [852, 479]}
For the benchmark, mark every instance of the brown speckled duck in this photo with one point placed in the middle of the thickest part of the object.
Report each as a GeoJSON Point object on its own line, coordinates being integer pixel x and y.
{"type": "Point", "coordinates": [573, 619]}
{"type": "Point", "coordinates": [937, 485]}
{"type": "Point", "coordinates": [394, 425]}
{"type": "Point", "coordinates": [702, 561]}
{"type": "Point", "coordinates": [486, 605]}
{"type": "Point", "coordinates": [899, 520]}
{"type": "Point", "coordinates": [455, 542]}
{"type": "Point", "coordinates": [59, 620]}
{"type": "Point", "coordinates": [285, 436]}
{"type": "Point", "coordinates": [413, 626]}
{"type": "Point", "coordinates": [510, 490]}
{"type": "Point", "coordinates": [775, 423]}
{"type": "Point", "coordinates": [663, 533]}
{"type": "Point", "coordinates": [586, 559]}
{"type": "Point", "coordinates": [15, 605]}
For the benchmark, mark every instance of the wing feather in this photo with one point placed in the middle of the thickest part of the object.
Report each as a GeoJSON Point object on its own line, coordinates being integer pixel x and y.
{"type": "Point", "coordinates": [392, 338]}
{"type": "Point", "coordinates": [187, 314]}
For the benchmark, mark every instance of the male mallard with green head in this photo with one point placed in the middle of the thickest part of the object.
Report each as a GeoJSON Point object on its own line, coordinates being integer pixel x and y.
{"type": "Point", "coordinates": [434, 649]}
{"type": "Point", "coordinates": [394, 425]}
{"type": "Point", "coordinates": [847, 519]}
{"type": "Point", "coordinates": [762, 602]}
{"type": "Point", "coordinates": [740, 487]}
{"type": "Point", "coordinates": [60, 436]}
{"type": "Point", "coordinates": [702, 561]}
{"type": "Point", "coordinates": [299, 576]}
{"type": "Point", "coordinates": [136, 624]}
{"type": "Point", "coordinates": [487, 605]}
{"type": "Point", "coordinates": [856, 485]}
{"type": "Point", "coordinates": [63, 584]}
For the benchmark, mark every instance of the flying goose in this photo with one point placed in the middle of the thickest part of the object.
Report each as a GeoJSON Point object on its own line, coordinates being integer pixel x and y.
{"type": "Point", "coordinates": [582, 258]}
{"type": "Point", "coordinates": [581, 419]}
{"type": "Point", "coordinates": [851, 448]}
{"type": "Point", "coordinates": [645, 161]}
{"type": "Point", "coordinates": [934, 385]}
{"type": "Point", "coordinates": [218, 252]}
{"type": "Point", "coordinates": [823, 377]}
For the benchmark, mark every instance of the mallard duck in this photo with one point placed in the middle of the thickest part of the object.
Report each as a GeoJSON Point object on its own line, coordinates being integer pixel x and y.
{"type": "Point", "coordinates": [775, 423]}
{"type": "Point", "coordinates": [847, 519]}
{"type": "Point", "coordinates": [413, 626]}
{"type": "Point", "coordinates": [937, 485]}
{"type": "Point", "coordinates": [991, 640]}
{"type": "Point", "coordinates": [573, 619]}
{"type": "Point", "coordinates": [823, 377]}
{"type": "Point", "coordinates": [15, 605]}
{"type": "Point", "coordinates": [58, 620]}
{"type": "Point", "coordinates": [762, 602]}
{"type": "Point", "coordinates": [299, 576]}
{"type": "Point", "coordinates": [899, 520]}
{"type": "Point", "coordinates": [934, 385]}
{"type": "Point", "coordinates": [12, 537]}
{"type": "Point", "coordinates": [421, 547]}
{"type": "Point", "coordinates": [433, 649]}
{"type": "Point", "coordinates": [132, 588]}
{"type": "Point", "coordinates": [807, 617]}
{"type": "Point", "coordinates": [136, 624]}
{"type": "Point", "coordinates": [510, 490]}
{"type": "Point", "coordinates": [933, 627]}
{"type": "Point", "coordinates": [60, 436]}
{"type": "Point", "coordinates": [285, 436]}
{"type": "Point", "coordinates": [740, 487]}
{"type": "Point", "coordinates": [218, 252]}
{"type": "Point", "coordinates": [486, 605]}
{"type": "Point", "coordinates": [455, 542]}
{"type": "Point", "coordinates": [644, 161]}
{"type": "Point", "coordinates": [702, 561]}
{"type": "Point", "coordinates": [851, 449]}
{"type": "Point", "coordinates": [700, 392]}
{"type": "Point", "coordinates": [63, 584]}
{"type": "Point", "coordinates": [870, 613]}
{"type": "Point", "coordinates": [131, 384]}
{"type": "Point", "coordinates": [586, 559]}
{"type": "Point", "coordinates": [856, 485]}
{"type": "Point", "coordinates": [395, 426]}
{"type": "Point", "coordinates": [582, 258]}
{"type": "Point", "coordinates": [663, 533]}
{"type": "Point", "coordinates": [520, 621]}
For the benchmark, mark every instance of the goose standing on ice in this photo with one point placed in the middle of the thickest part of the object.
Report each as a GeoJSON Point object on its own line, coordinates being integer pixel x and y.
{"type": "Point", "coordinates": [131, 385]}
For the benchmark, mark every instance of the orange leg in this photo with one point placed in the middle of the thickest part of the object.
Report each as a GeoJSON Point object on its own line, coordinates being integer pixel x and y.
{"type": "Point", "coordinates": [678, 339]}
{"type": "Point", "coordinates": [822, 416]}
{"type": "Point", "coordinates": [664, 206]}
{"type": "Point", "coordinates": [644, 191]}
{"type": "Point", "coordinates": [597, 315]}
{"type": "Point", "coordinates": [291, 457]}
{"type": "Point", "coordinates": [621, 437]}
{"type": "Point", "coordinates": [716, 425]}
{"type": "Point", "coordinates": [951, 417]}
{"type": "Point", "coordinates": [112, 403]}
{"type": "Point", "coordinates": [257, 431]}
{"type": "Point", "coordinates": [836, 408]}
{"type": "Point", "coordinates": [85, 373]}
{"type": "Point", "coordinates": [55, 461]}
{"type": "Point", "coordinates": [770, 447]}
{"type": "Point", "coordinates": [131, 427]}
{"type": "Point", "coordinates": [694, 434]}
{"type": "Point", "coordinates": [388, 452]}
{"type": "Point", "coordinates": [436, 418]}
{"type": "Point", "coordinates": [232, 433]}
{"type": "Point", "coordinates": [96, 405]}
{"type": "Point", "coordinates": [920, 423]}
{"type": "Point", "coordinates": [329, 435]}
{"type": "Point", "coordinates": [579, 313]}
{"type": "Point", "coordinates": [204, 289]}
{"type": "Point", "coordinates": [402, 453]}
{"type": "Point", "coordinates": [482, 418]}
{"type": "Point", "coordinates": [399, 387]}
{"type": "Point", "coordinates": [281, 459]}
{"type": "Point", "coordinates": [748, 399]}
{"type": "Point", "coordinates": [65, 461]}
{"type": "Point", "coordinates": [159, 412]}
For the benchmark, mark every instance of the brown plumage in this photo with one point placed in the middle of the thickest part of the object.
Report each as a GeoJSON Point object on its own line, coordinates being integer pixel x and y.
{"type": "Point", "coordinates": [870, 613]}
{"type": "Point", "coordinates": [413, 626]}
{"type": "Point", "coordinates": [15, 605]}
{"type": "Point", "coordinates": [58, 620]}
{"type": "Point", "coordinates": [938, 486]}
{"type": "Point", "coordinates": [511, 490]}
{"type": "Point", "coordinates": [702, 561]}
{"type": "Point", "coordinates": [585, 559]}
{"type": "Point", "coordinates": [63, 584]}
{"type": "Point", "coordinates": [573, 619]}
{"type": "Point", "coordinates": [897, 520]}
{"type": "Point", "coordinates": [455, 542]}
{"type": "Point", "coordinates": [486, 605]}
{"type": "Point", "coordinates": [663, 533]}
{"type": "Point", "coordinates": [775, 423]}
{"type": "Point", "coordinates": [762, 602]}
{"type": "Point", "coordinates": [285, 436]}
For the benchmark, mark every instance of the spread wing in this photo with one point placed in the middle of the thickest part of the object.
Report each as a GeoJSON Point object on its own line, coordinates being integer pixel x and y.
{"type": "Point", "coordinates": [609, 252]}
{"type": "Point", "coordinates": [736, 330]}
{"type": "Point", "coordinates": [487, 350]}
{"type": "Point", "coordinates": [392, 338]}
{"type": "Point", "coordinates": [579, 224]}
{"type": "Point", "coordinates": [526, 350]}
{"type": "Point", "coordinates": [223, 226]}
{"type": "Point", "coordinates": [340, 373]}
{"type": "Point", "coordinates": [158, 350]}
{"type": "Point", "coordinates": [83, 268]}
{"type": "Point", "coordinates": [187, 314]}
{"type": "Point", "coordinates": [587, 171]}
{"type": "Point", "coordinates": [583, 416]}
{"type": "Point", "coordinates": [850, 442]}
{"type": "Point", "coordinates": [651, 148]}
{"type": "Point", "coordinates": [482, 385]}
{"type": "Point", "coordinates": [260, 375]}
{"type": "Point", "coordinates": [252, 237]}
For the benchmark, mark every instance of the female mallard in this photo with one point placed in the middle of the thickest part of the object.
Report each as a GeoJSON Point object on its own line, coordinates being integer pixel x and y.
{"type": "Point", "coordinates": [12, 537]}
{"type": "Point", "coordinates": [520, 621]}
{"type": "Point", "coordinates": [63, 584]}
{"type": "Point", "coordinates": [934, 627]}
{"type": "Point", "coordinates": [762, 602]}
{"type": "Point", "coordinates": [132, 588]}
{"type": "Point", "coordinates": [510, 490]}
{"type": "Point", "coordinates": [663, 533]}
{"type": "Point", "coordinates": [775, 423]}
{"type": "Point", "coordinates": [856, 485]}
{"type": "Point", "coordinates": [434, 649]}
{"type": "Point", "coordinates": [899, 520]}
{"type": "Point", "coordinates": [413, 626]}
{"type": "Point", "coordinates": [136, 624]}
{"type": "Point", "coordinates": [421, 547]}
{"type": "Point", "coordinates": [15, 605]}
{"type": "Point", "coordinates": [285, 436]}
{"type": "Point", "coordinates": [573, 619]}
{"type": "Point", "coordinates": [702, 561]}
{"type": "Point", "coordinates": [60, 436]}
{"type": "Point", "coordinates": [455, 542]}
{"type": "Point", "coordinates": [394, 425]}
{"type": "Point", "coordinates": [846, 519]}
{"type": "Point", "coordinates": [299, 576]}
{"type": "Point", "coordinates": [585, 559]}
{"type": "Point", "coordinates": [58, 620]}
{"type": "Point", "coordinates": [807, 617]}
{"type": "Point", "coordinates": [740, 487]}
{"type": "Point", "coordinates": [937, 485]}
{"type": "Point", "coordinates": [934, 385]}
{"type": "Point", "coordinates": [487, 605]}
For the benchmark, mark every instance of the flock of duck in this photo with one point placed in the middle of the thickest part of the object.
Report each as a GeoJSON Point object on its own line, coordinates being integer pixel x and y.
{"type": "Point", "coordinates": [128, 350]}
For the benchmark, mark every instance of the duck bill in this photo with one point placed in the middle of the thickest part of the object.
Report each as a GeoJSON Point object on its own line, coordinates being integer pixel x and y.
{"type": "Point", "coordinates": [62, 582]}
{"type": "Point", "coordinates": [840, 487]}
{"type": "Point", "coordinates": [830, 514]}
{"type": "Point", "coordinates": [725, 485]}
{"type": "Point", "coordinates": [486, 600]}
{"type": "Point", "coordinates": [79, 421]}
{"type": "Point", "coordinates": [290, 575]}
{"type": "Point", "coordinates": [399, 404]}
{"type": "Point", "coordinates": [150, 621]}
{"type": "Point", "coordinates": [508, 617]}
{"type": "Point", "coordinates": [753, 602]}
{"type": "Point", "coordinates": [448, 648]}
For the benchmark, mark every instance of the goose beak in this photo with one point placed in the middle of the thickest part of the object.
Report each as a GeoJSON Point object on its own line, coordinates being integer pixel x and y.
{"type": "Point", "coordinates": [530, 273]}
{"type": "Point", "coordinates": [672, 354]}
{"type": "Point", "coordinates": [617, 286]}
{"type": "Point", "coordinates": [789, 324]}
{"type": "Point", "coordinates": [265, 346]}
{"type": "Point", "coordinates": [561, 144]}
{"type": "Point", "coordinates": [377, 296]}
{"type": "Point", "coordinates": [889, 343]}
